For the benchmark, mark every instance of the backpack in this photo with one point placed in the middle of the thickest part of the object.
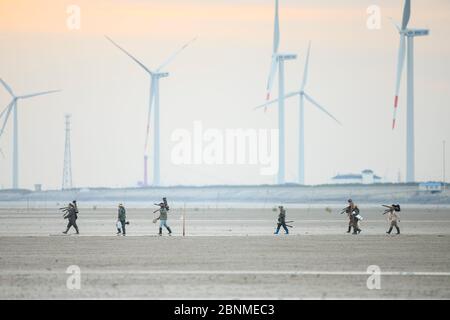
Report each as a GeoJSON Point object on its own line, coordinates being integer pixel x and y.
{"type": "Point", "coordinates": [165, 204]}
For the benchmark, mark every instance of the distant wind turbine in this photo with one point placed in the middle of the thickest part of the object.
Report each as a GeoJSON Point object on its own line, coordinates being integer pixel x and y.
{"type": "Point", "coordinates": [154, 99]}
{"type": "Point", "coordinates": [278, 63]}
{"type": "Point", "coordinates": [303, 95]}
{"type": "Point", "coordinates": [12, 107]}
{"type": "Point", "coordinates": [407, 34]}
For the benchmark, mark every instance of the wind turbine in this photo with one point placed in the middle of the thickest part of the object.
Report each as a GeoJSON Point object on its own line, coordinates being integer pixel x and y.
{"type": "Point", "coordinates": [303, 95]}
{"type": "Point", "coordinates": [155, 76]}
{"type": "Point", "coordinates": [12, 107]}
{"type": "Point", "coordinates": [278, 63]}
{"type": "Point", "coordinates": [407, 35]}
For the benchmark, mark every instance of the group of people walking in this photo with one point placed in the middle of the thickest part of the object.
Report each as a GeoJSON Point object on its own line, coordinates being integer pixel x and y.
{"type": "Point", "coordinates": [354, 218]}
{"type": "Point", "coordinates": [352, 211]}
{"type": "Point", "coordinates": [71, 213]}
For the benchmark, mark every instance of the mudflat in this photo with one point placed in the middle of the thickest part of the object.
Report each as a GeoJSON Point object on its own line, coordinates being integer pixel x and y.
{"type": "Point", "coordinates": [226, 254]}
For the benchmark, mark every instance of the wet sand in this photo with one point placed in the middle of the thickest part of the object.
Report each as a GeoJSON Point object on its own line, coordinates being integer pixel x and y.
{"type": "Point", "coordinates": [226, 254]}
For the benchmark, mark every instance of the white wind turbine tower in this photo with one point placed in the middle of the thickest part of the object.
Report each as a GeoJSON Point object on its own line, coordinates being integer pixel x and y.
{"type": "Point", "coordinates": [12, 107]}
{"type": "Point", "coordinates": [408, 35]}
{"type": "Point", "coordinates": [301, 138]}
{"type": "Point", "coordinates": [154, 99]}
{"type": "Point", "coordinates": [278, 63]}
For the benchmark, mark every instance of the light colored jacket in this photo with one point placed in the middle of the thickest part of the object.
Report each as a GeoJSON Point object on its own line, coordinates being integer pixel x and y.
{"type": "Point", "coordinates": [393, 216]}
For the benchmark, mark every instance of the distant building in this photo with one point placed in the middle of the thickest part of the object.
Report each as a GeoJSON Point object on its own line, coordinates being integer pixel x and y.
{"type": "Point", "coordinates": [365, 177]}
{"type": "Point", "coordinates": [433, 187]}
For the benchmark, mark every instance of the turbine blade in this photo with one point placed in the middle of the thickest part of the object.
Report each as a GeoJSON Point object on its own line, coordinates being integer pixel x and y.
{"type": "Point", "coordinates": [37, 94]}
{"type": "Point", "coordinates": [129, 54]}
{"type": "Point", "coordinates": [395, 24]}
{"type": "Point", "coordinates": [276, 44]}
{"type": "Point", "coordinates": [152, 98]}
{"type": "Point", "coordinates": [305, 73]}
{"type": "Point", "coordinates": [176, 53]}
{"type": "Point", "coordinates": [406, 14]}
{"type": "Point", "coordinates": [287, 96]}
{"type": "Point", "coordinates": [321, 108]}
{"type": "Point", "coordinates": [272, 74]}
{"type": "Point", "coordinates": [4, 110]}
{"type": "Point", "coordinates": [11, 105]}
{"type": "Point", "coordinates": [276, 30]}
{"type": "Point", "coordinates": [400, 65]}
{"type": "Point", "coordinates": [8, 88]}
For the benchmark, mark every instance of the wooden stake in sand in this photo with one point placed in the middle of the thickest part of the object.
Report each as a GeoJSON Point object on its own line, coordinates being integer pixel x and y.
{"type": "Point", "coordinates": [184, 220]}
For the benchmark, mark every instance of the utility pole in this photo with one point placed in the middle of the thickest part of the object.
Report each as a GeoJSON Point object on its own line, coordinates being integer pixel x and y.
{"type": "Point", "coordinates": [67, 170]}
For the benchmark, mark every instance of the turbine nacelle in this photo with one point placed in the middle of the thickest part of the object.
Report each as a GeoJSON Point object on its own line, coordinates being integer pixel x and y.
{"type": "Point", "coordinates": [285, 56]}
{"type": "Point", "coordinates": [160, 75]}
{"type": "Point", "coordinates": [415, 32]}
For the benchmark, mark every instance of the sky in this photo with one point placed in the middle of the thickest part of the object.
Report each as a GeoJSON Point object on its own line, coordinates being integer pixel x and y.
{"type": "Point", "coordinates": [217, 81]}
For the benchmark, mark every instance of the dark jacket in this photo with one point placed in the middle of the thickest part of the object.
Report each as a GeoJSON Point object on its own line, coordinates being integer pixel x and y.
{"type": "Point", "coordinates": [352, 212]}
{"type": "Point", "coordinates": [122, 214]}
{"type": "Point", "coordinates": [71, 214]}
{"type": "Point", "coordinates": [282, 216]}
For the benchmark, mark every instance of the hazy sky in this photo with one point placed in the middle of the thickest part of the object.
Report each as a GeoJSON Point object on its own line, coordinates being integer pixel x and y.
{"type": "Point", "coordinates": [218, 80]}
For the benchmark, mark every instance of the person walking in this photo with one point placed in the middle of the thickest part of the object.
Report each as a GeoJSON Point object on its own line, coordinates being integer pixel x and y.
{"type": "Point", "coordinates": [163, 209]}
{"type": "Point", "coordinates": [282, 221]}
{"type": "Point", "coordinates": [71, 214]}
{"type": "Point", "coordinates": [121, 220]}
{"type": "Point", "coordinates": [393, 218]}
{"type": "Point", "coordinates": [352, 211]}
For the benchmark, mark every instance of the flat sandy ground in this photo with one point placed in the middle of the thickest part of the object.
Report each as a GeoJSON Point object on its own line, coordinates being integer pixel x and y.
{"type": "Point", "coordinates": [226, 254]}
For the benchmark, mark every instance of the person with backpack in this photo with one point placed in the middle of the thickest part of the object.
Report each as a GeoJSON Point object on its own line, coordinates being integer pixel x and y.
{"type": "Point", "coordinates": [70, 213]}
{"type": "Point", "coordinates": [282, 221]}
{"type": "Point", "coordinates": [393, 217]}
{"type": "Point", "coordinates": [121, 220]}
{"type": "Point", "coordinates": [353, 216]}
{"type": "Point", "coordinates": [163, 210]}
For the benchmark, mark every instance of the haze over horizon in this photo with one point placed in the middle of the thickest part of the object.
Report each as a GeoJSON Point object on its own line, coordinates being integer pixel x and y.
{"type": "Point", "coordinates": [218, 81]}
